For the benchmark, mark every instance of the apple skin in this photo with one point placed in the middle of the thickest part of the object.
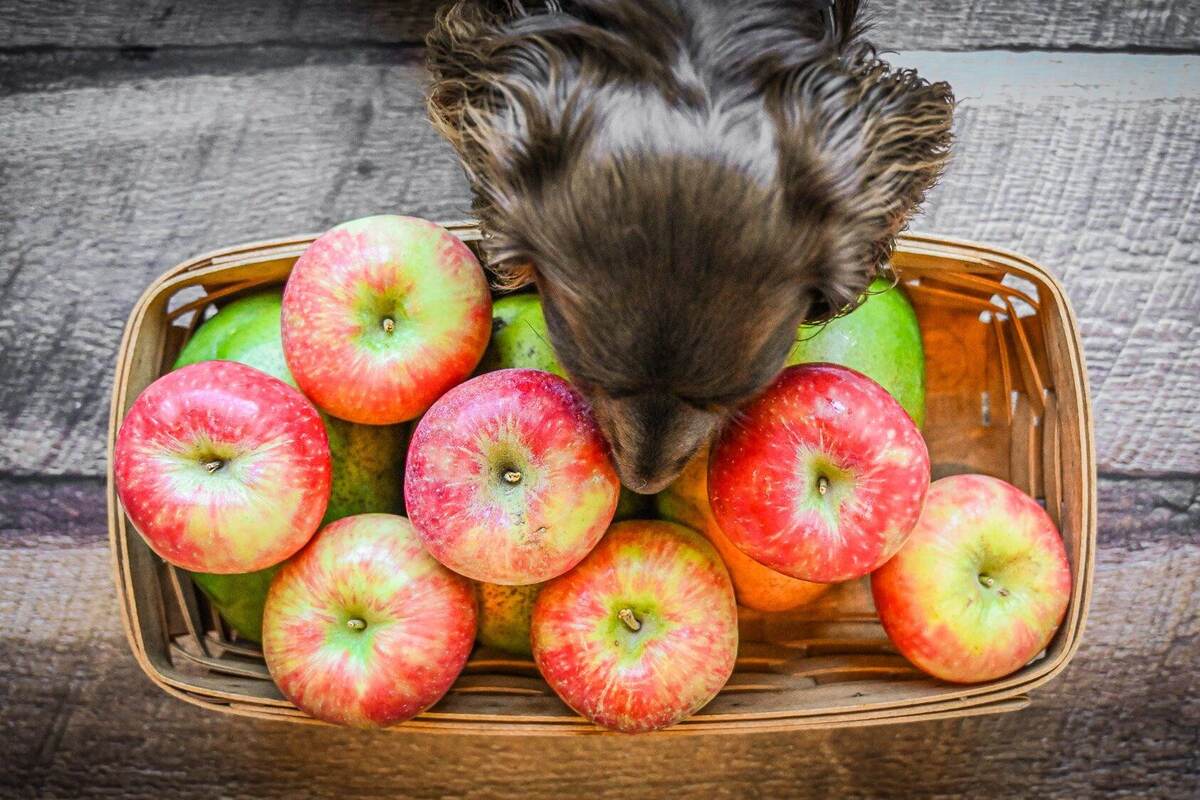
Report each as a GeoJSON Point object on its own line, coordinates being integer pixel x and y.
{"type": "Point", "coordinates": [519, 336]}
{"type": "Point", "coordinates": [367, 460]}
{"type": "Point", "coordinates": [524, 423]}
{"type": "Point", "coordinates": [382, 315]}
{"type": "Point", "coordinates": [932, 598]}
{"type": "Point", "coordinates": [269, 489]}
{"type": "Point", "coordinates": [684, 651]}
{"type": "Point", "coordinates": [819, 426]}
{"type": "Point", "coordinates": [763, 589]}
{"type": "Point", "coordinates": [417, 624]}
{"type": "Point", "coordinates": [505, 616]}
{"type": "Point", "coordinates": [880, 338]}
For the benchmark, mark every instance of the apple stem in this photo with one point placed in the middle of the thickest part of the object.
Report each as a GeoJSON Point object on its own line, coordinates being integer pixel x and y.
{"type": "Point", "coordinates": [214, 465]}
{"type": "Point", "coordinates": [389, 324]}
{"type": "Point", "coordinates": [987, 580]}
{"type": "Point", "coordinates": [356, 624]}
{"type": "Point", "coordinates": [822, 485]}
{"type": "Point", "coordinates": [626, 615]}
{"type": "Point", "coordinates": [512, 476]}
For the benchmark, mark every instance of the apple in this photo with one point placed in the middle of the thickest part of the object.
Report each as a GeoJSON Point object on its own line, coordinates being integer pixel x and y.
{"type": "Point", "coordinates": [367, 460]}
{"type": "Point", "coordinates": [822, 477]}
{"type": "Point", "coordinates": [505, 616]}
{"type": "Point", "coordinates": [519, 336]}
{"type": "Point", "coordinates": [222, 468]}
{"type": "Point", "coordinates": [643, 633]}
{"type": "Point", "coordinates": [382, 315]}
{"type": "Point", "coordinates": [763, 589]}
{"type": "Point", "coordinates": [980, 586]}
{"type": "Point", "coordinates": [509, 479]}
{"type": "Point", "coordinates": [880, 338]}
{"type": "Point", "coordinates": [363, 628]}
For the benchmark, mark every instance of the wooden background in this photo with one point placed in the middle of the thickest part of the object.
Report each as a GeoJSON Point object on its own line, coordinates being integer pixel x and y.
{"type": "Point", "coordinates": [135, 134]}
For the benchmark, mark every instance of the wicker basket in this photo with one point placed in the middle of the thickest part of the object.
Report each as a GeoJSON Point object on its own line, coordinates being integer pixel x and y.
{"type": "Point", "coordinates": [1007, 396]}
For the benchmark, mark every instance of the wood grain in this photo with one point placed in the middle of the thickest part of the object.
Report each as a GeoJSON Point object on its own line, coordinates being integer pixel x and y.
{"type": "Point", "coordinates": [106, 187]}
{"type": "Point", "coordinates": [81, 720]}
{"type": "Point", "coordinates": [901, 24]}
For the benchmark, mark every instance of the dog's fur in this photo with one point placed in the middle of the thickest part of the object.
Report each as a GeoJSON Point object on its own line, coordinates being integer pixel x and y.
{"type": "Point", "coordinates": [685, 181]}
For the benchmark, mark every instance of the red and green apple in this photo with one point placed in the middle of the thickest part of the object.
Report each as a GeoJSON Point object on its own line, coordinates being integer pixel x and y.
{"type": "Point", "coordinates": [509, 479]}
{"type": "Point", "coordinates": [222, 468]}
{"type": "Point", "coordinates": [643, 633]}
{"type": "Point", "coordinates": [823, 476]}
{"type": "Point", "coordinates": [382, 315]}
{"type": "Point", "coordinates": [980, 586]}
{"type": "Point", "coordinates": [363, 627]}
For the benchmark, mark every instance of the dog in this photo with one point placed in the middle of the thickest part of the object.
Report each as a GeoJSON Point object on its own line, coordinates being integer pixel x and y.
{"type": "Point", "coordinates": [685, 181]}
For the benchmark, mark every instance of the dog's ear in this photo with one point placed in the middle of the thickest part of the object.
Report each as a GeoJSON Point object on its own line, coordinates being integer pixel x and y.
{"type": "Point", "coordinates": [906, 146]}
{"type": "Point", "coordinates": [513, 92]}
{"type": "Point", "coordinates": [860, 144]}
{"type": "Point", "coordinates": [494, 99]}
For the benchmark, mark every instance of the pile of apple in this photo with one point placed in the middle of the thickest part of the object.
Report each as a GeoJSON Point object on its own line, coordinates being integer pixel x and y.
{"type": "Point", "coordinates": [274, 464]}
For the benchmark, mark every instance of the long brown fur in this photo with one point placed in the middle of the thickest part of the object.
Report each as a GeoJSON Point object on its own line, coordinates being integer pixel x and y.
{"type": "Point", "coordinates": [685, 181]}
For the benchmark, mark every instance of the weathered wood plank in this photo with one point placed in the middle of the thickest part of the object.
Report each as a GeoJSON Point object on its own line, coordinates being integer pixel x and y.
{"type": "Point", "coordinates": [159, 23]}
{"type": "Point", "coordinates": [106, 187]}
{"type": "Point", "coordinates": [51, 512]}
{"type": "Point", "coordinates": [901, 24]}
{"type": "Point", "coordinates": [79, 719]}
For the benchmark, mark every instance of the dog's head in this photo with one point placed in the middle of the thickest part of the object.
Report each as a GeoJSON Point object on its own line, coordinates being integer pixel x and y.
{"type": "Point", "coordinates": [685, 189]}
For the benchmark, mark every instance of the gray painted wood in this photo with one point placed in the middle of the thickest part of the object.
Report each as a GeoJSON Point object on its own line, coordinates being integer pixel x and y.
{"type": "Point", "coordinates": [106, 188]}
{"type": "Point", "coordinates": [81, 720]}
{"type": "Point", "coordinates": [108, 185]}
{"type": "Point", "coordinates": [901, 24]}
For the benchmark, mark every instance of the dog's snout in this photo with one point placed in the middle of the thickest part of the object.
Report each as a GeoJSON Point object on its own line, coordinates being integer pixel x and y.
{"type": "Point", "coordinates": [652, 437]}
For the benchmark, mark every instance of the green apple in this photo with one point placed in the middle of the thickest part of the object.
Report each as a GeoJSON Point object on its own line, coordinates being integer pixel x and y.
{"type": "Point", "coordinates": [239, 598]}
{"type": "Point", "coordinates": [519, 337]}
{"type": "Point", "coordinates": [368, 460]}
{"type": "Point", "coordinates": [880, 338]}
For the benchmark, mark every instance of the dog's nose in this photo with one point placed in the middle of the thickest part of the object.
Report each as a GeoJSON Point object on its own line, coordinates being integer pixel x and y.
{"type": "Point", "coordinates": [643, 483]}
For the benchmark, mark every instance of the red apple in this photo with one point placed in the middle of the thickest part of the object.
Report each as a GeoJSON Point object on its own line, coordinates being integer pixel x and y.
{"type": "Point", "coordinates": [362, 627]}
{"type": "Point", "coordinates": [508, 478]}
{"type": "Point", "coordinates": [222, 468]}
{"type": "Point", "coordinates": [981, 584]}
{"type": "Point", "coordinates": [382, 315]}
{"type": "Point", "coordinates": [643, 633]}
{"type": "Point", "coordinates": [821, 477]}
